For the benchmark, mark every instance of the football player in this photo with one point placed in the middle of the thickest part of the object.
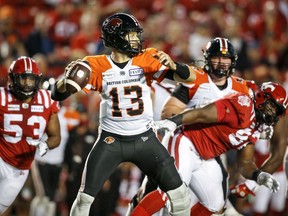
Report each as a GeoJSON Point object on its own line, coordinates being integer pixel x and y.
{"type": "Point", "coordinates": [214, 80]}
{"type": "Point", "coordinates": [234, 122]}
{"type": "Point", "coordinates": [124, 79]}
{"type": "Point", "coordinates": [27, 113]}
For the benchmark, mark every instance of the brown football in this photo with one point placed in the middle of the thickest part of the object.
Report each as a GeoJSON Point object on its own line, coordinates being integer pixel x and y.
{"type": "Point", "coordinates": [78, 76]}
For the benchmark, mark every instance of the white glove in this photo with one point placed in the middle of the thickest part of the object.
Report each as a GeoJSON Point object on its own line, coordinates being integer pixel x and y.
{"type": "Point", "coordinates": [269, 181]}
{"type": "Point", "coordinates": [167, 125]}
{"type": "Point", "coordinates": [43, 148]}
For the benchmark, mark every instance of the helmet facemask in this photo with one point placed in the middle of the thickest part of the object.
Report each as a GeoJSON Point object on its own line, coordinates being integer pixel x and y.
{"type": "Point", "coordinates": [220, 69]}
{"type": "Point", "coordinates": [24, 86]}
{"type": "Point", "coordinates": [270, 111]}
{"type": "Point", "coordinates": [220, 47]}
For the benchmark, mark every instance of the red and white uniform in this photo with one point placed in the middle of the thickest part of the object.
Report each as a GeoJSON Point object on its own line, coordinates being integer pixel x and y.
{"type": "Point", "coordinates": [21, 124]}
{"type": "Point", "coordinates": [126, 105]}
{"type": "Point", "coordinates": [195, 146]}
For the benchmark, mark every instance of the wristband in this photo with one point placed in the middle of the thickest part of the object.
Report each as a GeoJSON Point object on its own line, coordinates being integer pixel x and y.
{"type": "Point", "coordinates": [255, 175]}
{"type": "Point", "coordinates": [177, 119]}
{"type": "Point", "coordinates": [182, 70]}
{"type": "Point", "coordinates": [58, 96]}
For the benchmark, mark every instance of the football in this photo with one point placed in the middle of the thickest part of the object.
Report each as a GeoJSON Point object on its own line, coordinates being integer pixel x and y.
{"type": "Point", "coordinates": [78, 76]}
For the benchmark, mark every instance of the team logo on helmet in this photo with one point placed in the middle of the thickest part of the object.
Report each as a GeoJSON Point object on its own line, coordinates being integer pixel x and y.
{"type": "Point", "coordinates": [113, 24]}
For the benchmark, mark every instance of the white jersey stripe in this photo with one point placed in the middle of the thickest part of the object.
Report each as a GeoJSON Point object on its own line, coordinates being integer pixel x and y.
{"type": "Point", "coordinates": [46, 98]}
{"type": "Point", "coordinates": [3, 97]}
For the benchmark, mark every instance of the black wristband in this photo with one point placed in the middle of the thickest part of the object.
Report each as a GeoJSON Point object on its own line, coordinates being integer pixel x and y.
{"type": "Point", "coordinates": [58, 96]}
{"type": "Point", "coordinates": [182, 70]}
{"type": "Point", "coordinates": [177, 119]}
{"type": "Point", "coordinates": [255, 175]}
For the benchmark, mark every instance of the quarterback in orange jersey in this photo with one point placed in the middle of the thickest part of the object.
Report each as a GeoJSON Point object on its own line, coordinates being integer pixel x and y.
{"type": "Point", "coordinates": [127, 132]}
{"type": "Point", "coordinates": [27, 113]}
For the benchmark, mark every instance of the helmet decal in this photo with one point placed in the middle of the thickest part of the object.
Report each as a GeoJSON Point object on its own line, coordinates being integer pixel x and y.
{"type": "Point", "coordinates": [113, 25]}
{"type": "Point", "coordinates": [114, 30]}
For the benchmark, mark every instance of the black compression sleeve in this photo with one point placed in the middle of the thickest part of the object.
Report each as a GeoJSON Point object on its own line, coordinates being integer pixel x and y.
{"type": "Point", "coordinates": [182, 70]}
{"type": "Point", "coordinates": [181, 93]}
{"type": "Point", "coordinates": [177, 119]}
{"type": "Point", "coordinates": [58, 96]}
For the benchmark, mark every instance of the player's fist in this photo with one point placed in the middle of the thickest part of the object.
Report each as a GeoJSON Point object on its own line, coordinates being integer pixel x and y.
{"type": "Point", "coordinates": [77, 75]}
{"type": "Point", "coordinates": [241, 190]}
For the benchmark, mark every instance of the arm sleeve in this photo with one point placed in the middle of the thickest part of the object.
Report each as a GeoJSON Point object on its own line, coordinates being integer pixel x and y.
{"type": "Point", "coordinates": [58, 96]}
{"type": "Point", "coordinates": [182, 93]}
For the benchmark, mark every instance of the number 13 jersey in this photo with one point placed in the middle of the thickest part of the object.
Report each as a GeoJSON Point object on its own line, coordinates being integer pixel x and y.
{"type": "Point", "coordinates": [126, 105]}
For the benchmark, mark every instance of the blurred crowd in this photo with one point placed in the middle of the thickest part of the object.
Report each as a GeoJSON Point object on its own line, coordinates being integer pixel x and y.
{"type": "Point", "coordinates": [55, 32]}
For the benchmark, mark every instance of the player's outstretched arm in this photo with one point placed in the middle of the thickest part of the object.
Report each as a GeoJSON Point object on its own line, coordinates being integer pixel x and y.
{"type": "Point", "coordinates": [182, 72]}
{"type": "Point", "coordinates": [76, 77]}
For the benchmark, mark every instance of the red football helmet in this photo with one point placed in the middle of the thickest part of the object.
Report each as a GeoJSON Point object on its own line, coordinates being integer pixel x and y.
{"type": "Point", "coordinates": [271, 103]}
{"type": "Point", "coordinates": [25, 78]}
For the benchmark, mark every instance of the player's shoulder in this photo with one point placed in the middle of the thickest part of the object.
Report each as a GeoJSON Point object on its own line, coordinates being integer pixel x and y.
{"type": "Point", "coordinates": [97, 60]}
{"type": "Point", "coordinates": [43, 97]}
{"type": "Point", "coordinates": [240, 99]}
{"type": "Point", "coordinates": [202, 77]}
{"type": "Point", "coordinates": [149, 50]}
{"type": "Point", "coordinates": [239, 84]}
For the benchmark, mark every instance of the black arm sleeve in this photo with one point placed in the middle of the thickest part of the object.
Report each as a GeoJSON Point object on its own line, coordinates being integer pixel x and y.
{"type": "Point", "coordinates": [182, 93]}
{"type": "Point", "coordinates": [182, 71]}
{"type": "Point", "coordinates": [58, 96]}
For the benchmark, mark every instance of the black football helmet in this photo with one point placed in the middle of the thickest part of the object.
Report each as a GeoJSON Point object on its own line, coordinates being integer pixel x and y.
{"type": "Point", "coordinates": [220, 47]}
{"type": "Point", "coordinates": [271, 102]}
{"type": "Point", "coordinates": [114, 30]}
{"type": "Point", "coordinates": [25, 78]}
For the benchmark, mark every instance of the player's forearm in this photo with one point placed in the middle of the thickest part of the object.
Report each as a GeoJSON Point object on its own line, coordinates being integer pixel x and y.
{"type": "Point", "coordinates": [53, 141]}
{"type": "Point", "coordinates": [183, 73]}
{"type": "Point", "coordinates": [274, 162]}
{"type": "Point", "coordinates": [247, 168]}
{"type": "Point", "coordinates": [58, 91]}
{"type": "Point", "coordinates": [169, 111]}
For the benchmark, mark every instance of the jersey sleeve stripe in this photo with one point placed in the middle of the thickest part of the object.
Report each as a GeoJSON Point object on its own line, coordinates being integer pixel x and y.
{"type": "Point", "coordinates": [3, 97]}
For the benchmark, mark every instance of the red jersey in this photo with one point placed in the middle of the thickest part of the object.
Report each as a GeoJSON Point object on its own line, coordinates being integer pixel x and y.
{"type": "Point", "coordinates": [235, 127]}
{"type": "Point", "coordinates": [21, 124]}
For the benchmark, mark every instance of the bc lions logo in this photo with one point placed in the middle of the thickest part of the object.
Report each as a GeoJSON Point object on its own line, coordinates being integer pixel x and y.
{"type": "Point", "coordinates": [109, 140]}
{"type": "Point", "coordinates": [113, 24]}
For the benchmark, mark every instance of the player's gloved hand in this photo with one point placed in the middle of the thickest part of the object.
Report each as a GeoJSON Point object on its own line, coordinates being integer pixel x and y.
{"type": "Point", "coordinates": [241, 190]}
{"type": "Point", "coordinates": [43, 148]}
{"type": "Point", "coordinates": [69, 66]}
{"type": "Point", "coordinates": [167, 125]}
{"type": "Point", "coordinates": [269, 181]}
